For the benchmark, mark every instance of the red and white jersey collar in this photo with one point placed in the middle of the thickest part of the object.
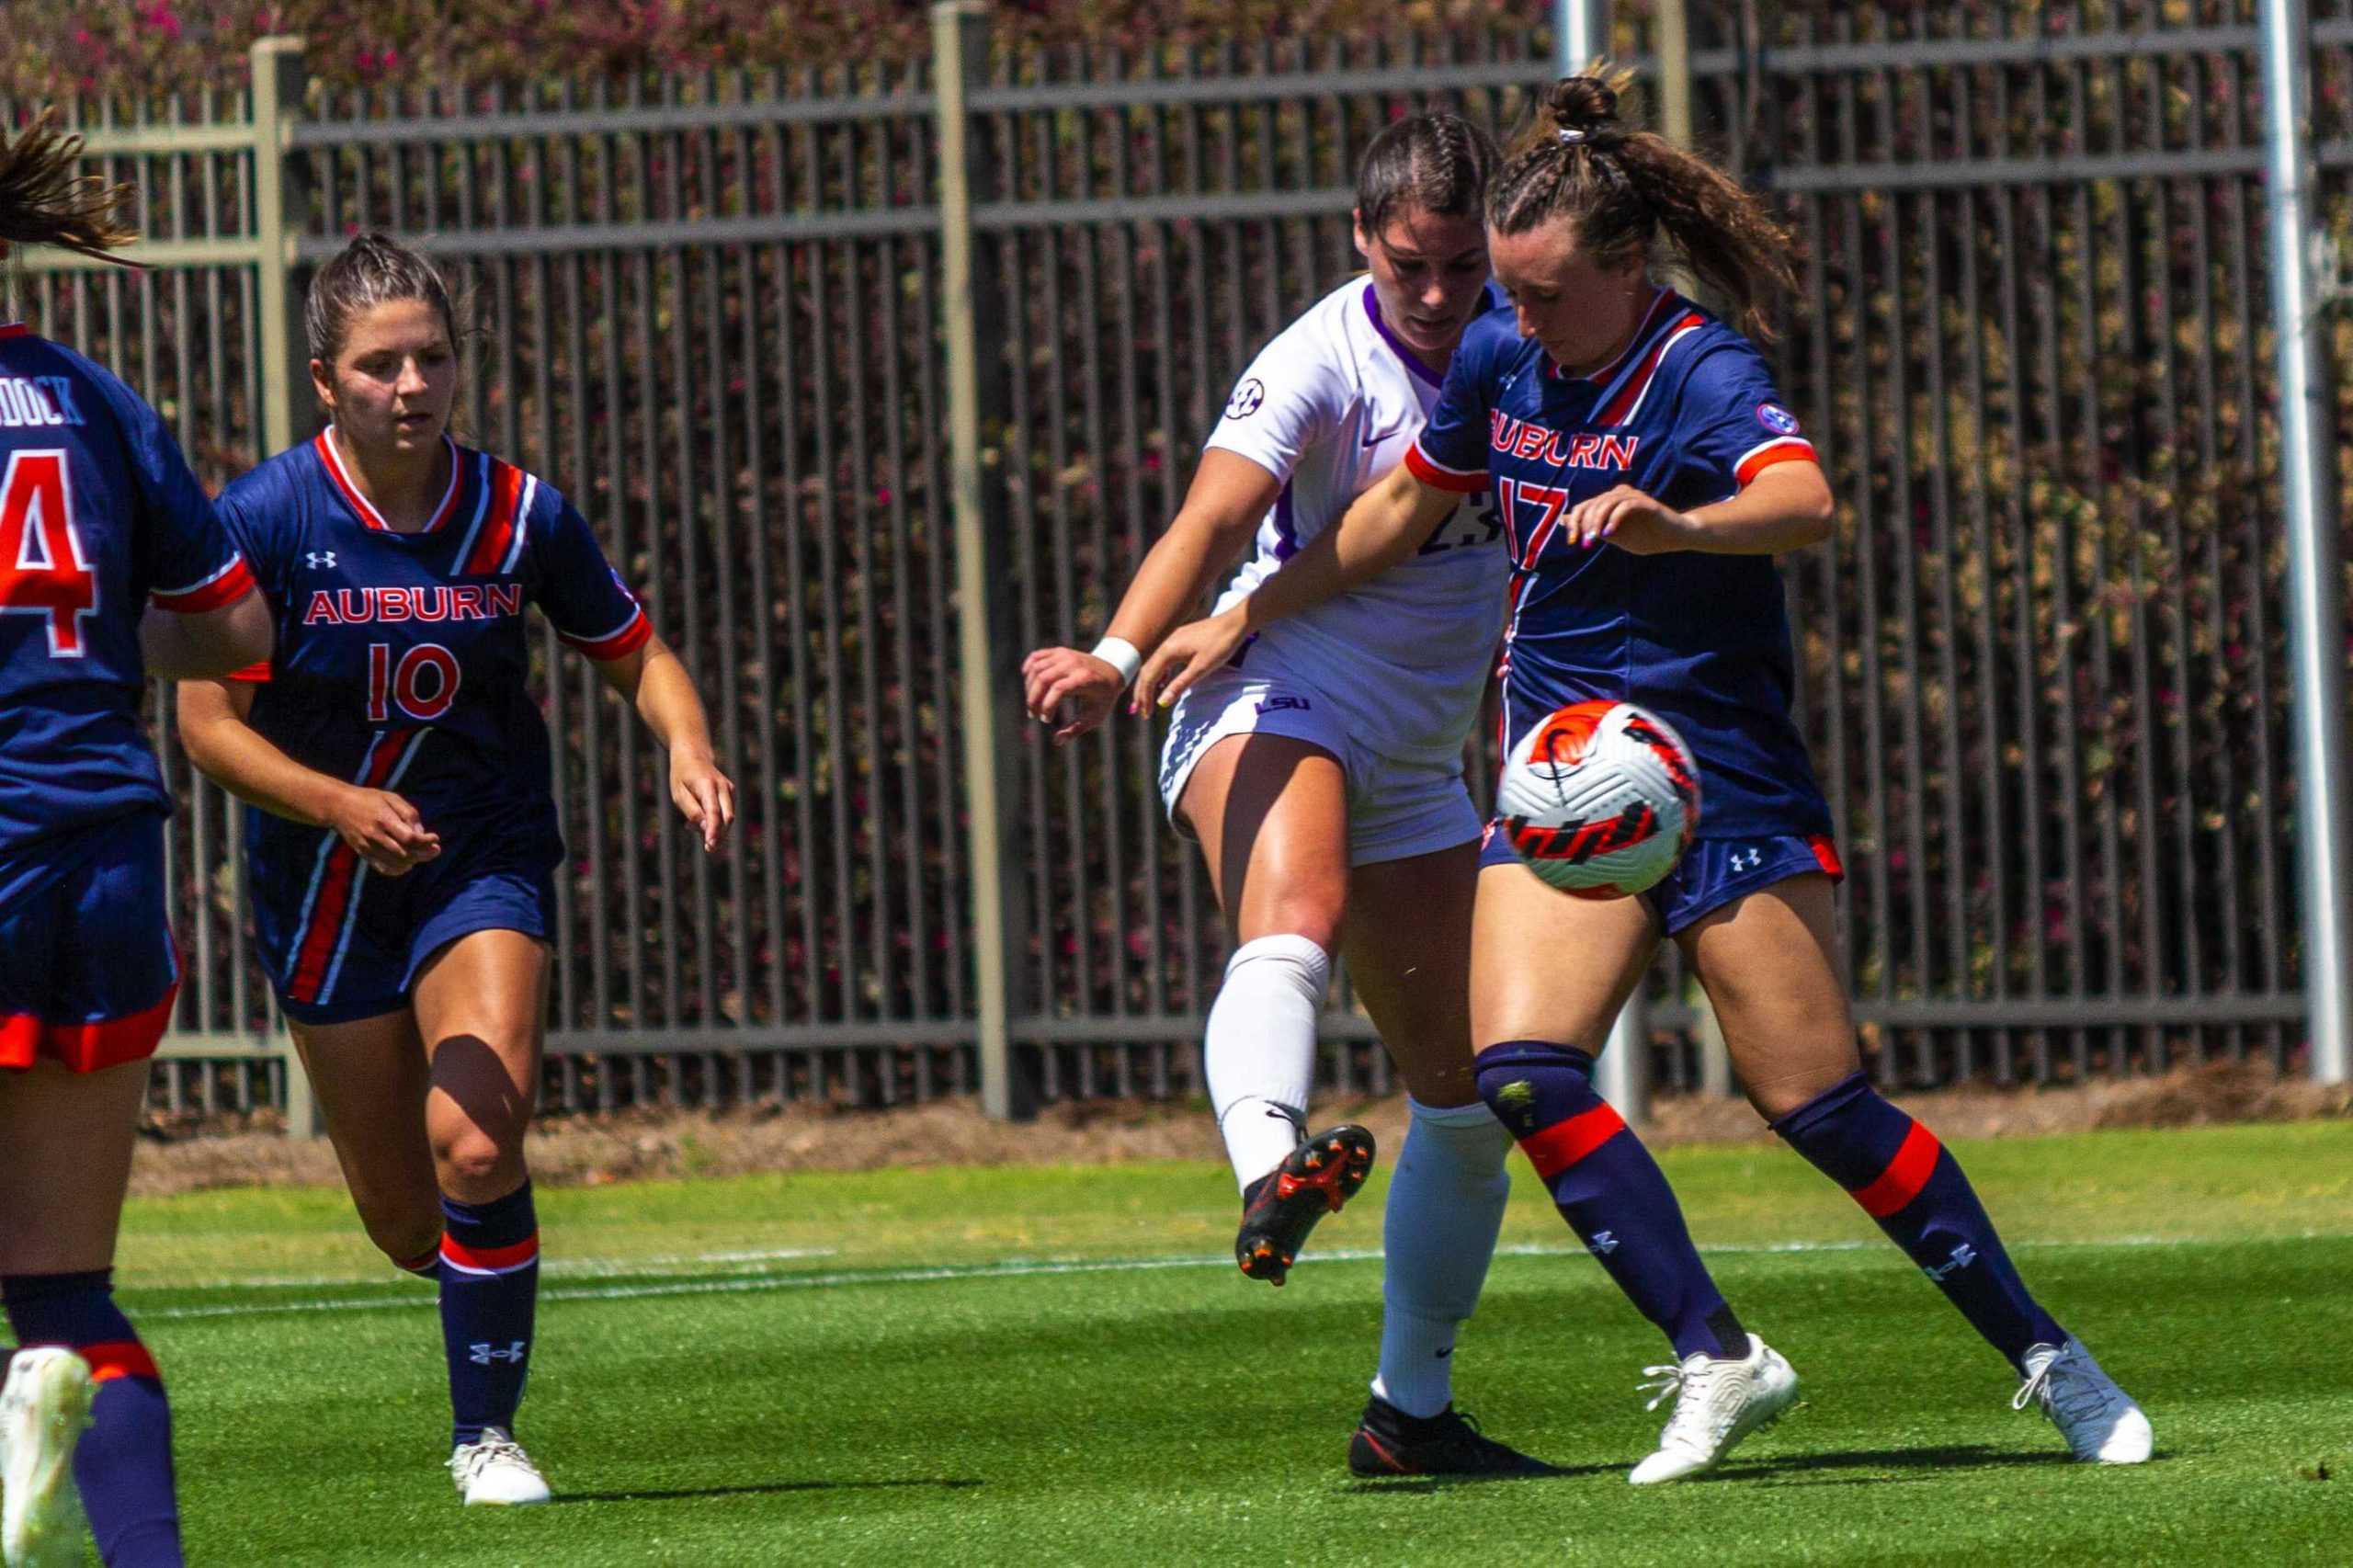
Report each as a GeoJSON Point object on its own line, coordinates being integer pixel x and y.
{"type": "Point", "coordinates": [364, 509]}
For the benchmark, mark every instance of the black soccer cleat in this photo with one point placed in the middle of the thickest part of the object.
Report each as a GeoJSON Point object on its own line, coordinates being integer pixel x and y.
{"type": "Point", "coordinates": [1389, 1442]}
{"type": "Point", "coordinates": [1282, 1207]}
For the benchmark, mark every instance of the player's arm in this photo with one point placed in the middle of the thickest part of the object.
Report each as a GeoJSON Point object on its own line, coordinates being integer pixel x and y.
{"type": "Point", "coordinates": [1229, 496]}
{"type": "Point", "coordinates": [1787, 506]}
{"type": "Point", "coordinates": [655, 681]}
{"type": "Point", "coordinates": [1386, 524]}
{"type": "Point", "coordinates": [382, 828]}
{"type": "Point", "coordinates": [177, 645]}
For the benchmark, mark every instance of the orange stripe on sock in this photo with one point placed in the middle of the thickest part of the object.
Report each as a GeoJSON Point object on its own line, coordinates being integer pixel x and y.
{"type": "Point", "coordinates": [459, 1253]}
{"type": "Point", "coordinates": [1904, 1176]}
{"type": "Point", "coordinates": [118, 1359]}
{"type": "Point", "coordinates": [1561, 1145]}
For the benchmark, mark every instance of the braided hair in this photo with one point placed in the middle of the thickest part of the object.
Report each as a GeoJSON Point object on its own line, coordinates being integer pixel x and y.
{"type": "Point", "coordinates": [1438, 163]}
{"type": "Point", "coordinates": [1623, 191]}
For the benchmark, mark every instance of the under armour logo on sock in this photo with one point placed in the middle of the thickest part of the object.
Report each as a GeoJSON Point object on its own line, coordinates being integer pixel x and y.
{"type": "Point", "coordinates": [1962, 1256]}
{"type": "Point", "coordinates": [1602, 1244]}
{"type": "Point", "coordinates": [483, 1354]}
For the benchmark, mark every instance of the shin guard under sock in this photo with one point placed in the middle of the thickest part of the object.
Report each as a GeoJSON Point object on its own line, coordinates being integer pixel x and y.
{"type": "Point", "coordinates": [1609, 1190]}
{"type": "Point", "coordinates": [1905, 1179]}
{"type": "Point", "coordinates": [490, 1292]}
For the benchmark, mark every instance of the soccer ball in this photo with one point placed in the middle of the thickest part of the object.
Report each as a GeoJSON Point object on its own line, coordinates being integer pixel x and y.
{"type": "Point", "coordinates": [1599, 798]}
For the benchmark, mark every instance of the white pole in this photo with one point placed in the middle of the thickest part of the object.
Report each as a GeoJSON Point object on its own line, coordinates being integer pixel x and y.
{"type": "Point", "coordinates": [1580, 34]}
{"type": "Point", "coordinates": [2308, 492]}
{"type": "Point", "coordinates": [1581, 29]}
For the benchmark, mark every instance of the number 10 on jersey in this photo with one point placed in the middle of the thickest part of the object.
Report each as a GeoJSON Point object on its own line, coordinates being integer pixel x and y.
{"type": "Point", "coordinates": [422, 684]}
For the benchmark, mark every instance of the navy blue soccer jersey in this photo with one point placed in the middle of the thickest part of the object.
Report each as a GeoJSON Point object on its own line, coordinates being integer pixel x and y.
{"type": "Point", "coordinates": [100, 517]}
{"type": "Point", "coordinates": [403, 660]}
{"type": "Point", "coordinates": [1688, 416]}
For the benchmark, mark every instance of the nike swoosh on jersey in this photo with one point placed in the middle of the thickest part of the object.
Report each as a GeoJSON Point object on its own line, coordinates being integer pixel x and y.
{"type": "Point", "coordinates": [1380, 436]}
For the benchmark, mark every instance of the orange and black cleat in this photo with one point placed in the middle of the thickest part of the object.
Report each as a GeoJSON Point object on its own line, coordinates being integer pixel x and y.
{"type": "Point", "coordinates": [1282, 1207]}
{"type": "Point", "coordinates": [1389, 1442]}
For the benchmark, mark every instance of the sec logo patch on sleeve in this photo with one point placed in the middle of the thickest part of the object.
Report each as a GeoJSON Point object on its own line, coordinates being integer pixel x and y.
{"type": "Point", "coordinates": [1246, 400]}
{"type": "Point", "coordinates": [1777, 419]}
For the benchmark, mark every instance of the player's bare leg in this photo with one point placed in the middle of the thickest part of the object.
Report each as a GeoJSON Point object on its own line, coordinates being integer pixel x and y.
{"type": "Point", "coordinates": [87, 1410]}
{"type": "Point", "coordinates": [368, 1080]}
{"type": "Point", "coordinates": [1769, 964]}
{"type": "Point", "coordinates": [1540, 1023]}
{"type": "Point", "coordinates": [1271, 816]}
{"type": "Point", "coordinates": [69, 1138]}
{"type": "Point", "coordinates": [480, 1002]}
{"type": "Point", "coordinates": [1408, 951]}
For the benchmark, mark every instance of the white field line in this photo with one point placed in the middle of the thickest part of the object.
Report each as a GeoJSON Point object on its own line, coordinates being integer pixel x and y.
{"type": "Point", "coordinates": [1021, 1268]}
{"type": "Point", "coordinates": [653, 1264]}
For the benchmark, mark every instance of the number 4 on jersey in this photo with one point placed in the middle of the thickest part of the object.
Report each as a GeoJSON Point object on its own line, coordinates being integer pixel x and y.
{"type": "Point", "coordinates": [42, 569]}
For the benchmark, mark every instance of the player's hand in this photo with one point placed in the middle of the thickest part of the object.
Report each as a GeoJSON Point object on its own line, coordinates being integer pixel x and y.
{"type": "Point", "coordinates": [383, 830]}
{"type": "Point", "coordinates": [1628, 518]}
{"type": "Point", "coordinates": [1189, 653]}
{"type": "Point", "coordinates": [1079, 687]}
{"type": "Point", "coordinates": [703, 795]}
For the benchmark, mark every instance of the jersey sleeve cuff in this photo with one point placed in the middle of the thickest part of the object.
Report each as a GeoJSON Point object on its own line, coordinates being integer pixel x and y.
{"type": "Point", "coordinates": [253, 674]}
{"type": "Point", "coordinates": [1438, 476]}
{"type": "Point", "coordinates": [223, 586]}
{"type": "Point", "coordinates": [1788, 448]}
{"type": "Point", "coordinates": [619, 643]}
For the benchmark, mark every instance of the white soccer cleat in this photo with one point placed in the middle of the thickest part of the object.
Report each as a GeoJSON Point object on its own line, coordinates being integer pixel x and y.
{"type": "Point", "coordinates": [2099, 1420]}
{"type": "Point", "coordinates": [43, 1408]}
{"type": "Point", "coordinates": [496, 1471]}
{"type": "Point", "coordinates": [1717, 1403]}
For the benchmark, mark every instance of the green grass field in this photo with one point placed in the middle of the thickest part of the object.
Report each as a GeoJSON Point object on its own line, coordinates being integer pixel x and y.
{"type": "Point", "coordinates": [1058, 1365]}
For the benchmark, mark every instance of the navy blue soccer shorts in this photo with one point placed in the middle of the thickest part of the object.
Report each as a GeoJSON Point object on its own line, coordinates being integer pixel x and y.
{"type": "Point", "coordinates": [88, 969]}
{"type": "Point", "coordinates": [1713, 873]}
{"type": "Point", "coordinates": [342, 942]}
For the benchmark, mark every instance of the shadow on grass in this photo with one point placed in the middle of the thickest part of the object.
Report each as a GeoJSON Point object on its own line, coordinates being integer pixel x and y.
{"type": "Point", "coordinates": [1423, 1485]}
{"type": "Point", "coordinates": [1876, 1462]}
{"type": "Point", "coordinates": [769, 1489]}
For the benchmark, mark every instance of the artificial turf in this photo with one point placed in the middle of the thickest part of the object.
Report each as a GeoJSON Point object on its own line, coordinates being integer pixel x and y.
{"type": "Point", "coordinates": [1031, 1365]}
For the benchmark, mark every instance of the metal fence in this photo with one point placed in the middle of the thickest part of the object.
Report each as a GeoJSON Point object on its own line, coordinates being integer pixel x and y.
{"type": "Point", "coordinates": [2042, 664]}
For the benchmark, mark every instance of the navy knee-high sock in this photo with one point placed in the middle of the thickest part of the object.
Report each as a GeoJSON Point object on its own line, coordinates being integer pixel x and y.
{"type": "Point", "coordinates": [490, 1290]}
{"type": "Point", "coordinates": [1609, 1190]}
{"type": "Point", "coordinates": [123, 1463]}
{"type": "Point", "coordinates": [1911, 1184]}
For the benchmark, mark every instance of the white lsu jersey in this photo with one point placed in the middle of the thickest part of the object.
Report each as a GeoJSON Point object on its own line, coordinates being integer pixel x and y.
{"type": "Point", "coordinates": [1329, 407]}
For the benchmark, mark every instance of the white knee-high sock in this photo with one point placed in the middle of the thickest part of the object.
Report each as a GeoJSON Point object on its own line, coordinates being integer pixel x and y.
{"type": "Point", "coordinates": [1259, 1056]}
{"type": "Point", "coordinates": [1446, 1207]}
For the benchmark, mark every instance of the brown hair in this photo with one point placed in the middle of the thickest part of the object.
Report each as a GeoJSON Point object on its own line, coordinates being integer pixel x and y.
{"type": "Point", "coordinates": [371, 270]}
{"type": "Point", "coordinates": [1438, 163]}
{"type": "Point", "coordinates": [1623, 189]}
{"type": "Point", "coordinates": [43, 200]}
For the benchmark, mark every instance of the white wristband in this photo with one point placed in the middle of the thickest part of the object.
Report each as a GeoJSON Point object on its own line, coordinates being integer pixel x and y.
{"type": "Point", "coordinates": [1121, 655]}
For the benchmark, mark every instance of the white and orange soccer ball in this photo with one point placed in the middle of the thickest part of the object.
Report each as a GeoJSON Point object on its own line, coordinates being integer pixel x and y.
{"type": "Point", "coordinates": [1599, 800]}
